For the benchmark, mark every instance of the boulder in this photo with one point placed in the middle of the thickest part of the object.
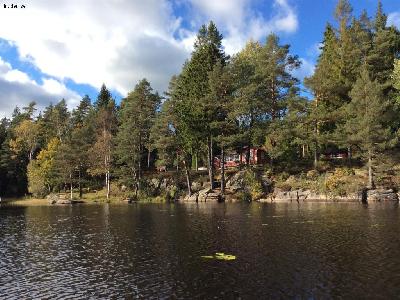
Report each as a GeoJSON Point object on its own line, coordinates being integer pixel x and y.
{"type": "Point", "coordinates": [266, 183]}
{"type": "Point", "coordinates": [287, 196]}
{"type": "Point", "coordinates": [301, 195]}
{"type": "Point", "coordinates": [236, 182]}
{"type": "Point", "coordinates": [52, 198]}
{"type": "Point", "coordinates": [196, 186]}
{"type": "Point", "coordinates": [61, 199]}
{"type": "Point", "coordinates": [204, 195]}
{"type": "Point", "coordinates": [382, 195]}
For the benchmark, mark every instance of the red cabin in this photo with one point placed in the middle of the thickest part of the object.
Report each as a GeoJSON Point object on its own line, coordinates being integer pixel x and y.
{"type": "Point", "coordinates": [257, 156]}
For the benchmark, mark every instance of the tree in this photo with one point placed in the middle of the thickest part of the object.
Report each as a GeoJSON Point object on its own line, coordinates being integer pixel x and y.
{"type": "Point", "coordinates": [41, 171]}
{"type": "Point", "coordinates": [26, 138]}
{"type": "Point", "coordinates": [137, 117]}
{"type": "Point", "coordinates": [100, 153]}
{"type": "Point", "coordinates": [193, 88]}
{"type": "Point", "coordinates": [365, 125]}
{"type": "Point", "coordinates": [220, 99]}
{"type": "Point", "coordinates": [103, 99]}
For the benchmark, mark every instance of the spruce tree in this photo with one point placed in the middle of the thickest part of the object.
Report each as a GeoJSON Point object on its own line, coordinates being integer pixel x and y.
{"type": "Point", "coordinates": [137, 117]}
{"type": "Point", "coordinates": [193, 87]}
{"type": "Point", "coordinates": [367, 119]}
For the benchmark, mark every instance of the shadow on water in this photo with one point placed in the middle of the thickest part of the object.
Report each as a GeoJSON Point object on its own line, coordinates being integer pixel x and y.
{"type": "Point", "coordinates": [283, 250]}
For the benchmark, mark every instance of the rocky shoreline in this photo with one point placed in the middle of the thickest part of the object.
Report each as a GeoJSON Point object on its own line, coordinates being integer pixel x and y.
{"type": "Point", "coordinates": [236, 188]}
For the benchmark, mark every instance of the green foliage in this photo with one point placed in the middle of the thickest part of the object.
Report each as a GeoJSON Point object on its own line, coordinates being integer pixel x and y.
{"type": "Point", "coordinates": [137, 118]}
{"type": "Point", "coordinates": [41, 171]}
{"type": "Point", "coordinates": [252, 185]}
{"type": "Point", "coordinates": [218, 104]}
{"type": "Point", "coordinates": [336, 184]}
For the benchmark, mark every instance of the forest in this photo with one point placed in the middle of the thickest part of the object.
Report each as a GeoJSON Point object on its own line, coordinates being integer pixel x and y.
{"type": "Point", "coordinates": [221, 104]}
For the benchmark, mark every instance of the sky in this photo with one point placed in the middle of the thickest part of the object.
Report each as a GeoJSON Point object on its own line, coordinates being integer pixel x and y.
{"type": "Point", "coordinates": [50, 50]}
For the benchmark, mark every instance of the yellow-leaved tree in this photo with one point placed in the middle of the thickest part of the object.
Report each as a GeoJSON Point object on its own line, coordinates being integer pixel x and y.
{"type": "Point", "coordinates": [41, 171]}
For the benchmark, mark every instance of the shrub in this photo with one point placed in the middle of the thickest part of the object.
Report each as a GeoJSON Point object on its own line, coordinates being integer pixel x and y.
{"type": "Point", "coordinates": [253, 185]}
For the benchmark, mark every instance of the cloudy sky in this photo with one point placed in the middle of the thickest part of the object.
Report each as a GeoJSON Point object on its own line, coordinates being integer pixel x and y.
{"type": "Point", "coordinates": [51, 50]}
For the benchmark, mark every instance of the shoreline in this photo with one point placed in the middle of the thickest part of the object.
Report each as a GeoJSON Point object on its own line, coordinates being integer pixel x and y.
{"type": "Point", "coordinates": [45, 202]}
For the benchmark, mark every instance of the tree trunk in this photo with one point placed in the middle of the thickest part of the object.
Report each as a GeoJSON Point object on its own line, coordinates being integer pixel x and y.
{"type": "Point", "coordinates": [303, 148]}
{"type": "Point", "coordinates": [210, 162]}
{"type": "Point", "coordinates": [188, 182]}
{"type": "Point", "coordinates": [223, 171]}
{"type": "Point", "coordinates": [79, 184]}
{"type": "Point", "coordinates": [316, 156]}
{"type": "Point", "coordinates": [371, 183]}
{"type": "Point", "coordinates": [349, 154]}
{"type": "Point", "coordinates": [106, 180]}
{"type": "Point", "coordinates": [316, 145]}
{"type": "Point", "coordinates": [71, 187]}
{"type": "Point", "coordinates": [248, 156]}
{"type": "Point", "coordinates": [108, 184]}
{"type": "Point", "coordinates": [148, 159]}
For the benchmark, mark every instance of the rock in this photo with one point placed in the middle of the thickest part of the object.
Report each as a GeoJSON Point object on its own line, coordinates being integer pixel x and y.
{"type": "Point", "coordinates": [287, 196]}
{"type": "Point", "coordinates": [64, 201]}
{"type": "Point", "coordinates": [382, 195]}
{"type": "Point", "coordinates": [196, 186]}
{"type": "Point", "coordinates": [236, 182]}
{"type": "Point", "coordinates": [301, 195]}
{"type": "Point", "coordinates": [266, 183]}
{"type": "Point", "coordinates": [155, 182]}
{"type": "Point", "coordinates": [52, 198]}
{"type": "Point", "coordinates": [129, 200]}
{"type": "Point", "coordinates": [204, 196]}
{"type": "Point", "coordinates": [61, 199]}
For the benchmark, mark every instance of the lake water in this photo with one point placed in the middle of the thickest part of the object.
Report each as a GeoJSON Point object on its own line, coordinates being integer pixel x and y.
{"type": "Point", "coordinates": [287, 250]}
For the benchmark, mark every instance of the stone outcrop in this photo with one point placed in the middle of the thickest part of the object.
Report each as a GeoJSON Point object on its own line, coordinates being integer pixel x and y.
{"type": "Point", "coordinates": [305, 195]}
{"type": "Point", "coordinates": [301, 195]}
{"type": "Point", "coordinates": [61, 199]}
{"type": "Point", "coordinates": [236, 182]}
{"type": "Point", "coordinates": [382, 195]}
{"type": "Point", "coordinates": [204, 196]}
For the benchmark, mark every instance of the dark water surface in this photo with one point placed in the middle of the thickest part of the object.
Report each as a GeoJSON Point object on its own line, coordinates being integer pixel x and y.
{"type": "Point", "coordinates": [306, 251]}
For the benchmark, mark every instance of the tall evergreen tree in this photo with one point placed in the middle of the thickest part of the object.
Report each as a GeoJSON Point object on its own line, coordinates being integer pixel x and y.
{"type": "Point", "coordinates": [365, 126]}
{"type": "Point", "coordinates": [193, 86]}
{"type": "Point", "coordinates": [137, 117]}
{"type": "Point", "coordinates": [103, 99]}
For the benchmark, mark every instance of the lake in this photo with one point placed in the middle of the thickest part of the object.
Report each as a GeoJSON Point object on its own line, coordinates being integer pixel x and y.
{"type": "Point", "coordinates": [283, 250]}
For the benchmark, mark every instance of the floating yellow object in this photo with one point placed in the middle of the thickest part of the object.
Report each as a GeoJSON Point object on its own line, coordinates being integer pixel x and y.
{"type": "Point", "coordinates": [220, 256]}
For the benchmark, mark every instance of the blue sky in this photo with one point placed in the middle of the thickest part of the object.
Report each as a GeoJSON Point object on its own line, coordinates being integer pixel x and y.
{"type": "Point", "coordinates": [67, 48]}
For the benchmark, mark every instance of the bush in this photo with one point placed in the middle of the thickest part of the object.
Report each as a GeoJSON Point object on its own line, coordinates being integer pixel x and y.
{"type": "Point", "coordinates": [312, 174]}
{"type": "Point", "coordinates": [253, 185]}
{"type": "Point", "coordinates": [338, 183]}
{"type": "Point", "coordinates": [244, 196]}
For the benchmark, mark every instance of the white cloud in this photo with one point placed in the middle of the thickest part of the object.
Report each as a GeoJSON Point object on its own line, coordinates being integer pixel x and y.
{"type": "Point", "coordinates": [394, 19]}
{"type": "Point", "coordinates": [240, 22]}
{"type": "Point", "coordinates": [118, 42]}
{"type": "Point", "coordinates": [18, 89]}
{"type": "Point", "coordinates": [315, 50]}
{"type": "Point", "coordinates": [83, 40]}
{"type": "Point", "coordinates": [306, 69]}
